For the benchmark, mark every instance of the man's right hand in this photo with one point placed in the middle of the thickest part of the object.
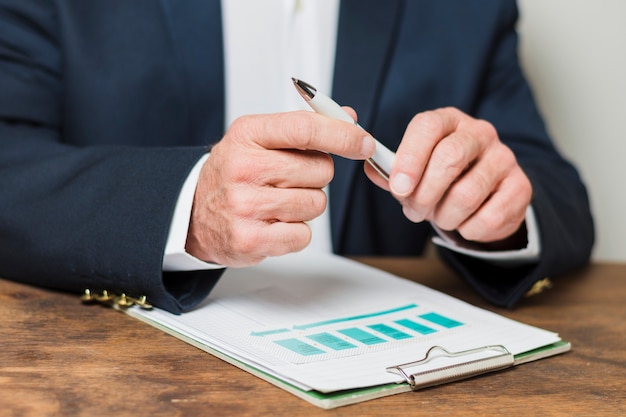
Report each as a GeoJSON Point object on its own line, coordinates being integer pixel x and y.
{"type": "Point", "coordinates": [263, 181]}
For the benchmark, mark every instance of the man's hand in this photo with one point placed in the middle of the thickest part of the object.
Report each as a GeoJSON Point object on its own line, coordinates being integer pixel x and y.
{"type": "Point", "coordinates": [453, 171]}
{"type": "Point", "coordinates": [263, 181]}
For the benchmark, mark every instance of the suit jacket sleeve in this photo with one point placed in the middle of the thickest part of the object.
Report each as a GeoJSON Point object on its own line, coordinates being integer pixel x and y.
{"type": "Point", "coordinates": [72, 216]}
{"type": "Point", "coordinates": [559, 196]}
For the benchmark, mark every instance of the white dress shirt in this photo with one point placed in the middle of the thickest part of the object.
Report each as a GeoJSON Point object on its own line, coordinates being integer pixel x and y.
{"type": "Point", "coordinates": [265, 44]}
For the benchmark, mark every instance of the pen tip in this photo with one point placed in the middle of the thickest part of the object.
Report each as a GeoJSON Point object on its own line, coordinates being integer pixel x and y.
{"type": "Point", "coordinates": [306, 90]}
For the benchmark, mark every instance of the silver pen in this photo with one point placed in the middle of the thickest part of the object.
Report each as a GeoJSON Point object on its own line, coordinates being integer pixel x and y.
{"type": "Point", "coordinates": [381, 161]}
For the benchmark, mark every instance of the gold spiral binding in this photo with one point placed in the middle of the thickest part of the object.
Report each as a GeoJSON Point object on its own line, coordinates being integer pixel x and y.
{"type": "Point", "coordinates": [118, 302]}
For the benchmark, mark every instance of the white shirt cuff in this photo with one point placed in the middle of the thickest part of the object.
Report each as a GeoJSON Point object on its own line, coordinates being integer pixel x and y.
{"type": "Point", "coordinates": [507, 258]}
{"type": "Point", "coordinates": [176, 257]}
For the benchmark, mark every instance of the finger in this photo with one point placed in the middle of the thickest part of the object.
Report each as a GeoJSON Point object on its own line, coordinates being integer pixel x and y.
{"type": "Point", "coordinates": [502, 214]}
{"type": "Point", "coordinates": [277, 167]}
{"type": "Point", "coordinates": [254, 241]}
{"type": "Point", "coordinates": [351, 112]}
{"type": "Point", "coordinates": [269, 204]}
{"type": "Point", "coordinates": [473, 188]}
{"type": "Point", "coordinates": [296, 169]}
{"type": "Point", "coordinates": [463, 198]}
{"type": "Point", "coordinates": [282, 238]}
{"type": "Point", "coordinates": [422, 135]}
{"type": "Point", "coordinates": [469, 188]}
{"type": "Point", "coordinates": [450, 159]}
{"type": "Point", "coordinates": [306, 131]}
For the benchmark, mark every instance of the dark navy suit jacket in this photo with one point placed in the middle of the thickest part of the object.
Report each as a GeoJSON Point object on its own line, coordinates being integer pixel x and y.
{"type": "Point", "coordinates": [105, 105]}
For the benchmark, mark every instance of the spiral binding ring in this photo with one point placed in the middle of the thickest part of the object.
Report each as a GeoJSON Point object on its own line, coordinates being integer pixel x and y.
{"type": "Point", "coordinates": [118, 302]}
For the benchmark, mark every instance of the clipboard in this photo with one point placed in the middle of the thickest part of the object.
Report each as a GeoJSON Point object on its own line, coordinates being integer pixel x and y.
{"type": "Point", "coordinates": [299, 297]}
{"type": "Point", "coordinates": [418, 379]}
{"type": "Point", "coordinates": [329, 400]}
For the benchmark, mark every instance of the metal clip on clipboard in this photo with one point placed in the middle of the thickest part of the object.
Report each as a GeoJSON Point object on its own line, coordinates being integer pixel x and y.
{"type": "Point", "coordinates": [418, 380]}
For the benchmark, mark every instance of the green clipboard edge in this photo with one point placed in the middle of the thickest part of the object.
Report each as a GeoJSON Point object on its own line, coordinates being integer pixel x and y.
{"type": "Point", "coordinates": [339, 398]}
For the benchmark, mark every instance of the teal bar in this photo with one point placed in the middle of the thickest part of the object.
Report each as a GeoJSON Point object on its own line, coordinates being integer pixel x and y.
{"type": "Point", "coordinates": [269, 332]}
{"type": "Point", "coordinates": [409, 324]}
{"type": "Point", "coordinates": [299, 347]}
{"type": "Point", "coordinates": [362, 336]}
{"type": "Point", "coordinates": [441, 320]}
{"type": "Point", "coordinates": [390, 331]}
{"type": "Point", "coordinates": [360, 317]}
{"type": "Point", "coordinates": [331, 341]}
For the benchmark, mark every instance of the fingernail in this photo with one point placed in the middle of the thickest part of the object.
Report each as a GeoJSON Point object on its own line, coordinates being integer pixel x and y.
{"type": "Point", "coordinates": [368, 146]}
{"type": "Point", "coordinates": [401, 184]}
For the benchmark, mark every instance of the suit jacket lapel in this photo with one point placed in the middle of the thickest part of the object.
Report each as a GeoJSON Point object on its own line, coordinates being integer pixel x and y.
{"type": "Point", "coordinates": [196, 33]}
{"type": "Point", "coordinates": [364, 42]}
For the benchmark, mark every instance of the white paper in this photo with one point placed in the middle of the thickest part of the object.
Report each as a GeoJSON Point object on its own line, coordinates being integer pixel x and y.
{"type": "Point", "coordinates": [327, 323]}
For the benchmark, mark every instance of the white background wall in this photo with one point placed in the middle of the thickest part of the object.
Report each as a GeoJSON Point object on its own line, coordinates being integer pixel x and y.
{"type": "Point", "coordinates": [574, 55]}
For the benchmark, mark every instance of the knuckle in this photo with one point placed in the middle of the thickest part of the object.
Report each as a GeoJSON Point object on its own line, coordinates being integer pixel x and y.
{"type": "Point", "coordinates": [506, 156]}
{"type": "Point", "coordinates": [346, 144]}
{"type": "Point", "coordinates": [485, 129]}
{"type": "Point", "coordinates": [491, 226]}
{"type": "Point", "coordinates": [317, 201]}
{"type": "Point", "coordinates": [523, 187]}
{"type": "Point", "coordinates": [244, 204]}
{"type": "Point", "coordinates": [234, 171]}
{"type": "Point", "coordinates": [245, 242]}
{"type": "Point", "coordinates": [300, 131]}
{"type": "Point", "coordinates": [450, 155]}
{"type": "Point", "coordinates": [444, 222]}
{"type": "Point", "coordinates": [492, 221]}
{"type": "Point", "coordinates": [469, 195]}
{"type": "Point", "coordinates": [241, 127]}
{"type": "Point", "coordinates": [296, 239]}
{"type": "Point", "coordinates": [429, 122]}
{"type": "Point", "coordinates": [308, 205]}
{"type": "Point", "coordinates": [326, 168]}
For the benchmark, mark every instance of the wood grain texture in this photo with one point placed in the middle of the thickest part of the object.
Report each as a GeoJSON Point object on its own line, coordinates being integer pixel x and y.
{"type": "Point", "coordinates": [59, 357]}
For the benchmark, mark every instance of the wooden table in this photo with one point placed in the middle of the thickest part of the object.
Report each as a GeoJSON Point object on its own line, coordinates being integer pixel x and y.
{"type": "Point", "coordinates": [60, 357]}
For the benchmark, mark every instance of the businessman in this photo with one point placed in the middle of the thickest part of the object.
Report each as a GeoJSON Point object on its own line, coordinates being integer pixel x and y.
{"type": "Point", "coordinates": [146, 146]}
